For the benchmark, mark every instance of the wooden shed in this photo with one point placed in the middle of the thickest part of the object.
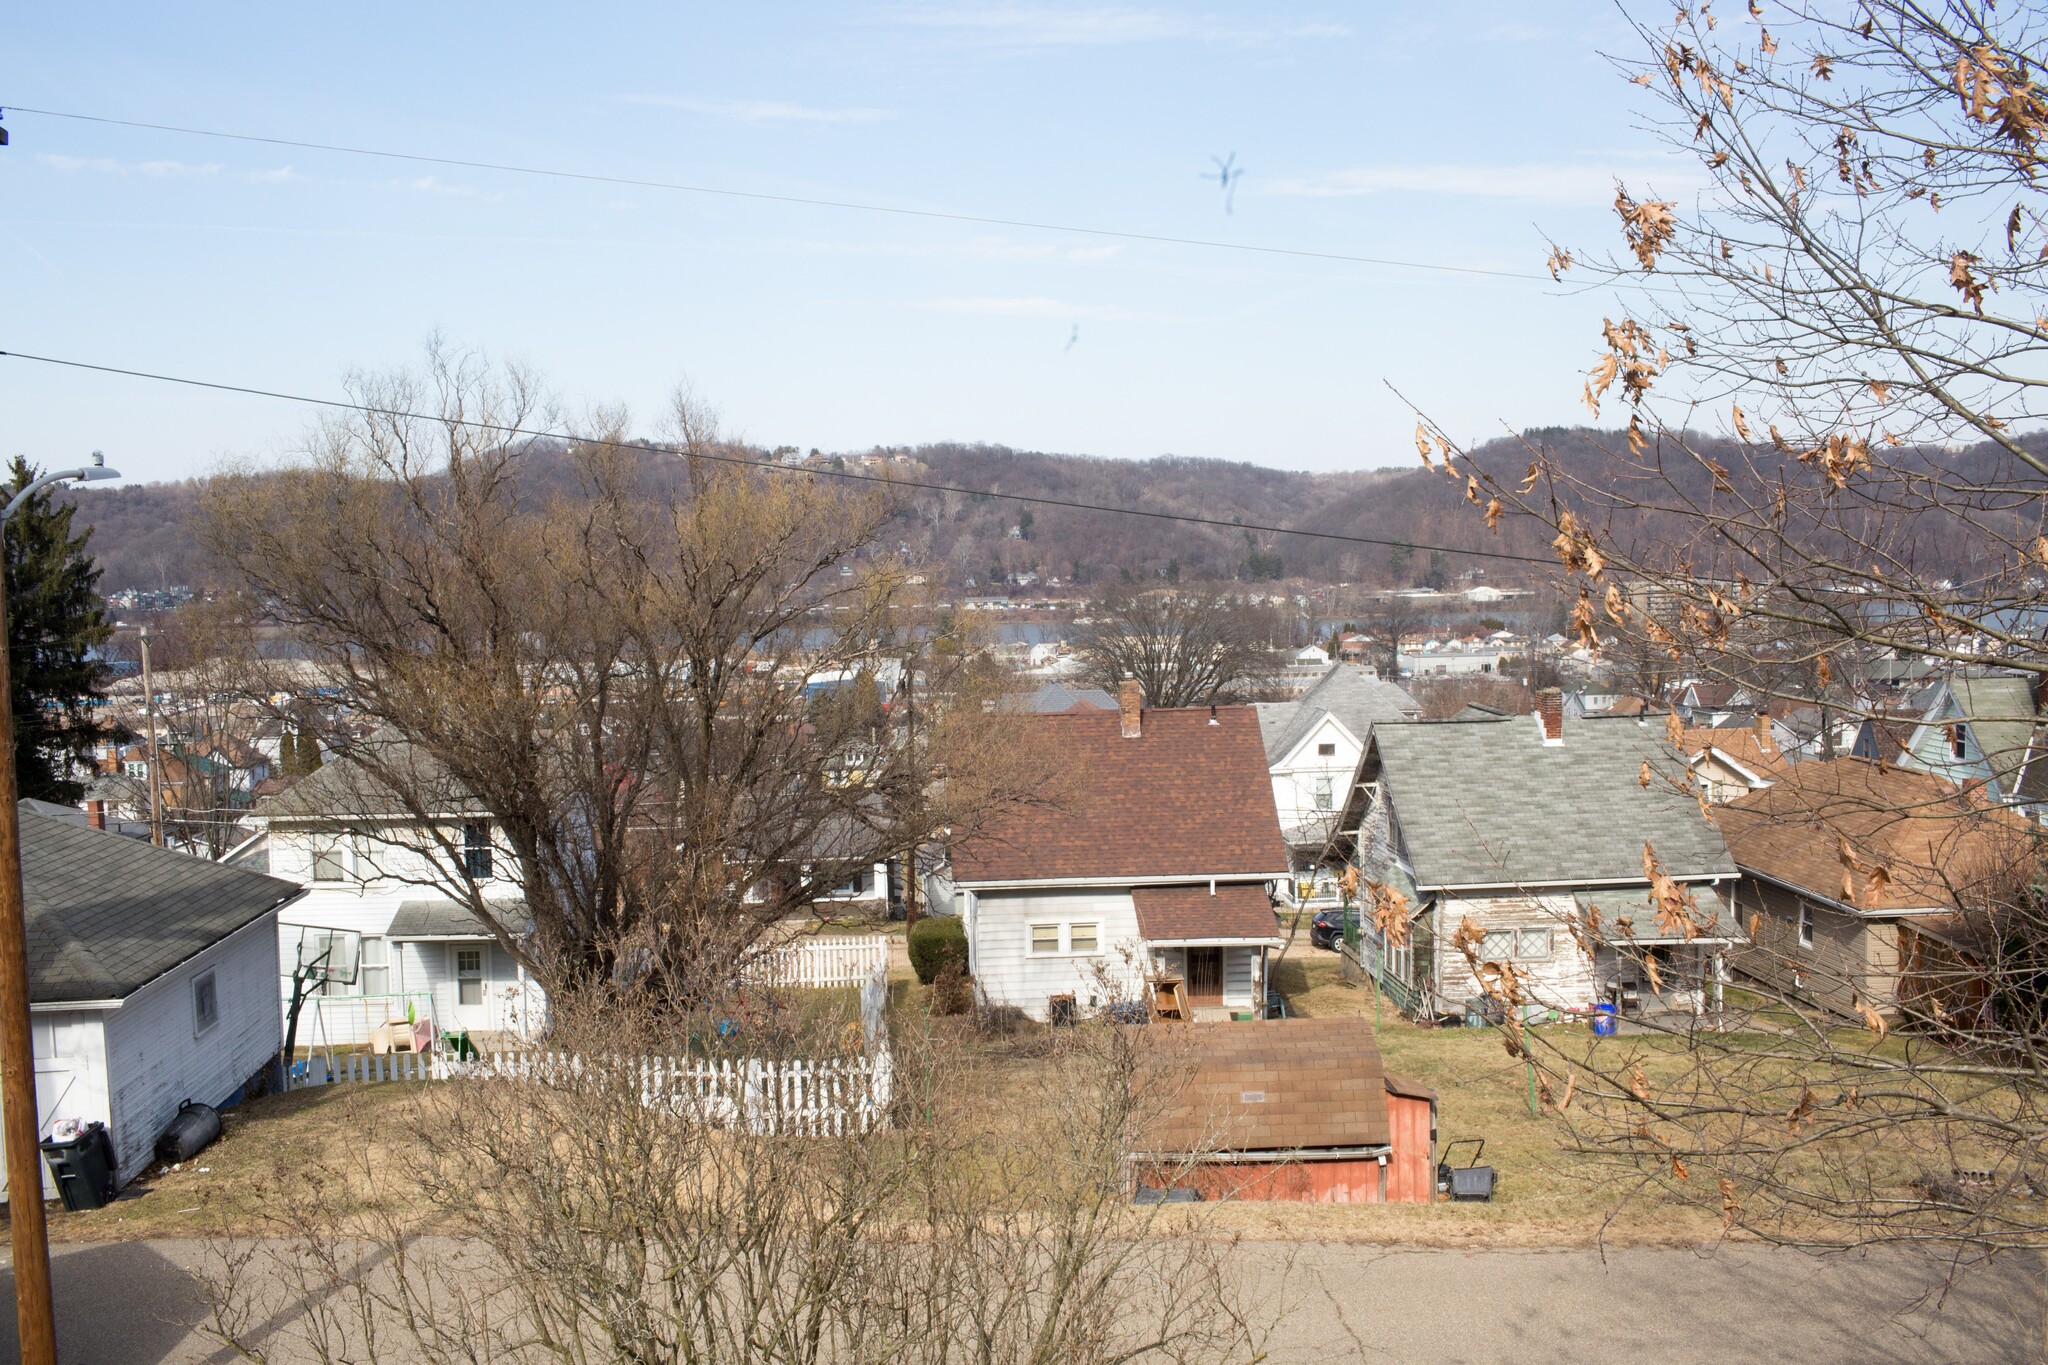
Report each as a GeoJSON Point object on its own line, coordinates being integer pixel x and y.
{"type": "Point", "coordinates": [1296, 1109]}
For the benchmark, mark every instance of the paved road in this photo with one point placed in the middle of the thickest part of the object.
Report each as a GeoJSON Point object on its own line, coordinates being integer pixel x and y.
{"type": "Point", "coordinates": [135, 1304]}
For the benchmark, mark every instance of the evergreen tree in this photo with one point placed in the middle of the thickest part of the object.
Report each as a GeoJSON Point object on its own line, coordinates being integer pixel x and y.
{"type": "Point", "coordinates": [55, 624]}
{"type": "Point", "coordinates": [309, 753]}
{"type": "Point", "coordinates": [288, 753]}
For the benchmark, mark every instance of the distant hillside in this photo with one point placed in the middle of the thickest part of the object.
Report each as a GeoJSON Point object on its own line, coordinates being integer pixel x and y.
{"type": "Point", "coordinates": [144, 537]}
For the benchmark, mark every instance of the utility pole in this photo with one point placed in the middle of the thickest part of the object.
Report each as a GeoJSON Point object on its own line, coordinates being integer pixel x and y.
{"type": "Point", "coordinates": [907, 688]}
{"type": "Point", "coordinates": [28, 1232]}
{"type": "Point", "coordinates": [156, 767]}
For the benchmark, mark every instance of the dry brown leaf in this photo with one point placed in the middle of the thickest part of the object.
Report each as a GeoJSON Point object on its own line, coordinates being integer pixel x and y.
{"type": "Point", "coordinates": [1674, 730]}
{"type": "Point", "coordinates": [1731, 1209]}
{"type": "Point", "coordinates": [1770, 44]}
{"type": "Point", "coordinates": [1741, 423]}
{"type": "Point", "coordinates": [1872, 1020]}
{"type": "Point", "coordinates": [1824, 67]}
{"type": "Point", "coordinates": [1638, 1084]}
{"type": "Point", "coordinates": [1495, 509]}
{"type": "Point", "coordinates": [1678, 1167]}
{"type": "Point", "coordinates": [1571, 1085]}
{"type": "Point", "coordinates": [1643, 775]}
{"type": "Point", "coordinates": [1968, 285]}
{"type": "Point", "coordinates": [1422, 447]}
{"type": "Point", "coordinates": [1797, 1116]}
{"type": "Point", "coordinates": [1880, 390]}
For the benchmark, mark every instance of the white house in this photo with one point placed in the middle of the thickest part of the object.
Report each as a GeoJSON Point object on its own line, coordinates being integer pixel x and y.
{"type": "Point", "coordinates": [1313, 744]}
{"type": "Point", "coordinates": [152, 980]}
{"type": "Point", "coordinates": [380, 901]}
{"type": "Point", "coordinates": [1155, 863]}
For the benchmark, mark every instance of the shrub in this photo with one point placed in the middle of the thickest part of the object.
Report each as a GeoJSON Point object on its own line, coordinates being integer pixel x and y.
{"type": "Point", "coordinates": [937, 941]}
{"type": "Point", "coordinates": [952, 991]}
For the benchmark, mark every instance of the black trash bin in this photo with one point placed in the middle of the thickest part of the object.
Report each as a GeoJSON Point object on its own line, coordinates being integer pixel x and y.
{"type": "Point", "coordinates": [83, 1167]}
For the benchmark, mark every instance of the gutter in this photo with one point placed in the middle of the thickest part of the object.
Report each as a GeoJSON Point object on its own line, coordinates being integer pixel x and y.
{"type": "Point", "coordinates": [1122, 883]}
{"type": "Point", "coordinates": [1235, 1156]}
{"type": "Point", "coordinates": [1843, 907]}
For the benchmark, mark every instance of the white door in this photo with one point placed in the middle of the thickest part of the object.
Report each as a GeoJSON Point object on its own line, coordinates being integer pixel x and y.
{"type": "Point", "coordinates": [469, 965]}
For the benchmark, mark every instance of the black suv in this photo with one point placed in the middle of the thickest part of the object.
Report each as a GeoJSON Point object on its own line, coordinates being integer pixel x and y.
{"type": "Point", "coordinates": [1327, 927]}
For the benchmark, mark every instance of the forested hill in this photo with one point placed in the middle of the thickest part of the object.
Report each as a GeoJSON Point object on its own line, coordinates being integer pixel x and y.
{"type": "Point", "coordinates": [145, 535]}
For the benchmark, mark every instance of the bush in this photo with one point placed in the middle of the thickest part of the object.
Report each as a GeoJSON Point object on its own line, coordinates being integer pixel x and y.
{"type": "Point", "coordinates": [952, 991]}
{"type": "Point", "coordinates": [936, 942]}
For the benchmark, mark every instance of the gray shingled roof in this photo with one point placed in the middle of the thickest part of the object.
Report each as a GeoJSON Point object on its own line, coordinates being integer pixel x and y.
{"type": "Point", "coordinates": [343, 787]}
{"type": "Point", "coordinates": [441, 919]}
{"type": "Point", "coordinates": [1487, 803]}
{"type": "Point", "coordinates": [1356, 700]}
{"type": "Point", "coordinates": [1054, 699]}
{"type": "Point", "coordinates": [109, 914]}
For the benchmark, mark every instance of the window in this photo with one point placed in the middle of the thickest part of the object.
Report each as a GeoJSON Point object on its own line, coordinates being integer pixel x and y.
{"type": "Point", "coordinates": [469, 976]}
{"type": "Point", "coordinates": [205, 1003]}
{"type": "Point", "coordinates": [856, 885]}
{"type": "Point", "coordinates": [327, 860]}
{"type": "Point", "coordinates": [1326, 795]}
{"type": "Point", "coordinates": [1958, 742]}
{"type": "Point", "coordinates": [1045, 938]}
{"type": "Point", "coordinates": [136, 769]}
{"type": "Point", "coordinates": [476, 852]}
{"type": "Point", "coordinates": [1080, 938]}
{"type": "Point", "coordinates": [1326, 750]}
{"type": "Point", "coordinates": [1532, 943]}
{"type": "Point", "coordinates": [1805, 925]}
{"type": "Point", "coordinates": [1498, 945]}
{"type": "Point", "coordinates": [376, 966]}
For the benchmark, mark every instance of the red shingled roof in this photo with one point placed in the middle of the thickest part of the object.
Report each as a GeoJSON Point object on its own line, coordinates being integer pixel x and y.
{"type": "Point", "coordinates": [1282, 1085]}
{"type": "Point", "coordinates": [1169, 914]}
{"type": "Point", "coordinates": [1189, 797]}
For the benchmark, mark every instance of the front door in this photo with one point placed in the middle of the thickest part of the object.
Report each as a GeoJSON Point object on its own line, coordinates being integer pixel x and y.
{"type": "Point", "coordinates": [1205, 976]}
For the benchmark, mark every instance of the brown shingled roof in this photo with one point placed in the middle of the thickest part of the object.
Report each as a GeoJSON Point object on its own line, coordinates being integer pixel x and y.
{"type": "Point", "coordinates": [1191, 796]}
{"type": "Point", "coordinates": [1283, 1085]}
{"type": "Point", "coordinates": [1168, 914]}
{"type": "Point", "coordinates": [1929, 836]}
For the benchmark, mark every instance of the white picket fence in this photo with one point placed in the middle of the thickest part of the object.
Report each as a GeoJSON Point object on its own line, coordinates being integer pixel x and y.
{"type": "Point", "coordinates": [797, 1098]}
{"type": "Point", "coordinates": [845, 960]}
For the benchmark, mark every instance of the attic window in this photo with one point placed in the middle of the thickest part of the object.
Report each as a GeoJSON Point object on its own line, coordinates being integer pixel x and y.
{"type": "Point", "coordinates": [1958, 742]}
{"type": "Point", "coordinates": [1326, 750]}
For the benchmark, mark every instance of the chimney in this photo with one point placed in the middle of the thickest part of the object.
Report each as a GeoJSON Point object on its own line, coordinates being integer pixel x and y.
{"type": "Point", "coordinates": [1763, 727]}
{"type": "Point", "coordinates": [1130, 699]}
{"type": "Point", "coordinates": [96, 814]}
{"type": "Point", "coordinates": [1550, 707]}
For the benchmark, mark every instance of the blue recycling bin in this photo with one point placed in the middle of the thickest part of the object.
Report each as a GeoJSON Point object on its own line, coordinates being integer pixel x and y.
{"type": "Point", "coordinates": [1604, 1020]}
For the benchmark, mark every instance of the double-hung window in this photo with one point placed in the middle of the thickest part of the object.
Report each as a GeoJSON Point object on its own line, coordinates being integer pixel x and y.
{"type": "Point", "coordinates": [469, 976]}
{"type": "Point", "coordinates": [375, 977]}
{"type": "Point", "coordinates": [1326, 792]}
{"type": "Point", "coordinates": [1805, 925]}
{"type": "Point", "coordinates": [1053, 940]}
{"type": "Point", "coordinates": [476, 851]}
{"type": "Point", "coordinates": [329, 863]}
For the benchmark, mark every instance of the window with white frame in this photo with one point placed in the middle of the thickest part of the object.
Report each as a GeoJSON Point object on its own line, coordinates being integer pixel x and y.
{"type": "Point", "coordinates": [1326, 750]}
{"type": "Point", "coordinates": [1805, 925]}
{"type": "Point", "coordinates": [1081, 938]}
{"type": "Point", "coordinates": [136, 768]}
{"type": "Point", "coordinates": [375, 975]}
{"type": "Point", "coordinates": [205, 1003]}
{"type": "Point", "coordinates": [1498, 945]}
{"type": "Point", "coordinates": [1045, 939]}
{"type": "Point", "coordinates": [329, 862]}
{"type": "Point", "coordinates": [1532, 944]}
{"type": "Point", "coordinates": [1072, 939]}
{"type": "Point", "coordinates": [476, 851]}
{"type": "Point", "coordinates": [469, 976]}
{"type": "Point", "coordinates": [1326, 792]}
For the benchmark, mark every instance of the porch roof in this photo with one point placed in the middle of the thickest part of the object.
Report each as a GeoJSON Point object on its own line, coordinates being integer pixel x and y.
{"type": "Point", "coordinates": [1189, 914]}
{"type": "Point", "coordinates": [430, 919]}
{"type": "Point", "coordinates": [1632, 903]}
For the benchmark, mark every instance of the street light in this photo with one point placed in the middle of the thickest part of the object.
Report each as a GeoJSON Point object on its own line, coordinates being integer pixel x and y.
{"type": "Point", "coordinates": [18, 1127]}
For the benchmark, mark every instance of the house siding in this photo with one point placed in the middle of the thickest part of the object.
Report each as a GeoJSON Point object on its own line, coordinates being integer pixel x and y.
{"type": "Point", "coordinates": [1564, 979]}
{"type": "Point", "coordinates": [999, 948]}
{"type": "Point", "coordinates": [1851, 958]}
{"type": "Point", "coordinates": [71, 1075]}
{"type": "Point", "coordinates": [153, 1059]}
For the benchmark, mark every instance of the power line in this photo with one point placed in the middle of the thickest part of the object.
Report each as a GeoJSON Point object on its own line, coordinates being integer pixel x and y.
{"type": "Point", "coordinates": [854, 476]}
{"type": "Point", "coordinates": [592, 177]}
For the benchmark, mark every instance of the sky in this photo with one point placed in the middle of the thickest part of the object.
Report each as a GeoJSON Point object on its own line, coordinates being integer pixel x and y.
{"type": "Point", "coordinates": [1467, 136]}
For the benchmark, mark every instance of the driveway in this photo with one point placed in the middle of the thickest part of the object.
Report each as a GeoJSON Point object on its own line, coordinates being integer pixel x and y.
{"type": "Point", "coordinates": [134, 1303]}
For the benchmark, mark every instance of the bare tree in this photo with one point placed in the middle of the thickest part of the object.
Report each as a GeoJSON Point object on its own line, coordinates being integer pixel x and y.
{"type": "Point", "coordinates": [644, 1210]}
{"type": "Point", "coordinates": [621, 684]}
{"type": "Point", "coordinates": [1184, 646]}
{"type": "Point", "coordinates": [1828, 360]}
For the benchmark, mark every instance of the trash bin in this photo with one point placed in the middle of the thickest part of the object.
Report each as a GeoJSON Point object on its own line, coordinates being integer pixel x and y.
{"type": "Point", "coordinates": [83, 1167]}
{"type": "Point", "coordinates": [1604, 1019]}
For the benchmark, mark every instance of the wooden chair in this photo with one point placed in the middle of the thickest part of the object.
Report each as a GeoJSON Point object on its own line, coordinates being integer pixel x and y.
{"type": "Point", "coordinates": [1170, 999]}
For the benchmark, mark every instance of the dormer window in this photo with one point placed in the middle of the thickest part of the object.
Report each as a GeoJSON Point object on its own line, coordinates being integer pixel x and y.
{"type": "Point", "coordinates": [1958, 741]}
{"type": "Point", "coordinates": [476, 851]}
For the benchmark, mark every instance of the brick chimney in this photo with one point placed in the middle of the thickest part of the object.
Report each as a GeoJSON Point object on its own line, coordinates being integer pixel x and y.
{"type": "Point", "coordinates": [1550, 708]}
{"type": "Point", "coordinates": [1130, 700]}
{"type": "Point", "coordinates": [1763, 727]}
{"type": "Point", "coordinates": [96, 814]}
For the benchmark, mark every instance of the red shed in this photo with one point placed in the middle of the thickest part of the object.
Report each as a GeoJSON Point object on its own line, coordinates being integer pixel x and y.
{"type": "Point", "coordinates": [1288, 1109]}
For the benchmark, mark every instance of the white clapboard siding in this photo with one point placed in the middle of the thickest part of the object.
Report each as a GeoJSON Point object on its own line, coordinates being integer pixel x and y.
{"type": "Point", "coordinates": [845, 960]}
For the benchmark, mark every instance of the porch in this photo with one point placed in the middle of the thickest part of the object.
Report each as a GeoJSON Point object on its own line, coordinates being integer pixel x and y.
{"type": "Point", "coordinates": [1205, 948]}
